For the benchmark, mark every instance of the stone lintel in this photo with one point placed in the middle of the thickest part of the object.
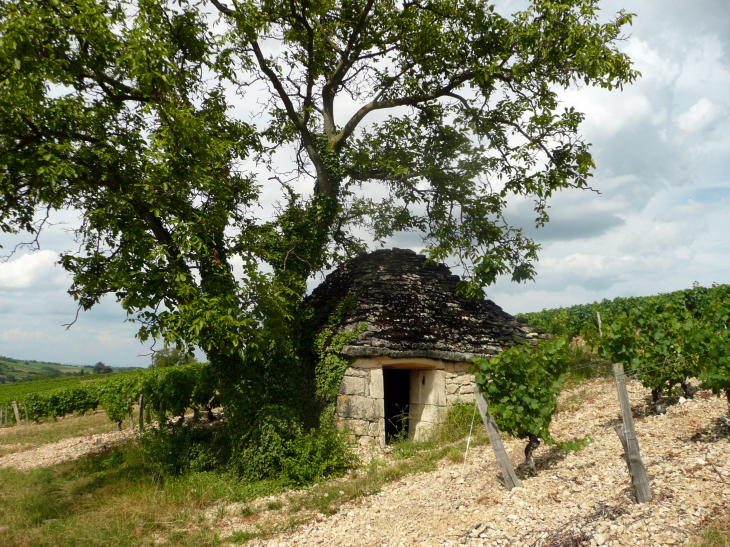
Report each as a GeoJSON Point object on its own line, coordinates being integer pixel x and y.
{"type": "Point", "coordinates": [369, 351]}
{"type": "Point", "coordinates": [380, 361]}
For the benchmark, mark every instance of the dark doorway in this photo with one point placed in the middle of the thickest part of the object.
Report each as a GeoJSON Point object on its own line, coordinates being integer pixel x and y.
{"type": "Point", "coordinates": [396, 391]}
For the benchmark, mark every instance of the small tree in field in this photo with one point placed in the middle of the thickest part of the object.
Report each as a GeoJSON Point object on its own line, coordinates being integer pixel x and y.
{"type": "Point", "coordinates": [101, 368]}
{"type": "Point", "coordinates": [522, 385]}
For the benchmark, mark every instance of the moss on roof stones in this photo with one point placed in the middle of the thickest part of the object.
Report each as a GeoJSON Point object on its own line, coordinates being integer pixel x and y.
{"type": "Point", "coordinates": [411, 309]}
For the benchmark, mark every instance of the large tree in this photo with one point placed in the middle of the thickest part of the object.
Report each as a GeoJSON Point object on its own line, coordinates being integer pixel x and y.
{"type": "Point", "coordinates": [421, 116]}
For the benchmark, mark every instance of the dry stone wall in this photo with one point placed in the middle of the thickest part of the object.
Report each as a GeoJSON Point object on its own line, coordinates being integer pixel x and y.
{"type": "Point", "coordinates": [360, 407]}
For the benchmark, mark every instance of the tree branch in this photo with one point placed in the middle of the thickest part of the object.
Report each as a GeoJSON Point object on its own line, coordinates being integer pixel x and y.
{"type": "Point", "coordinates": [222, 7]}
{"type": "Point", "coordinates": [413, 100]}
{"type": "Point", "coordinates": [330, 88]}
{"type": "Point", "coordinates": [323, 184]}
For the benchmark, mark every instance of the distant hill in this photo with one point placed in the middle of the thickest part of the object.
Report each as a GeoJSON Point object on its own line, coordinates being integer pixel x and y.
{"type": "Point", "coordinates": [19, 370]}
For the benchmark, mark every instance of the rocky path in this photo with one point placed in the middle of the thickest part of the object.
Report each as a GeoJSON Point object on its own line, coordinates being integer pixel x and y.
{"type": "Point", "coordinates": [583, 498]}
{"type": "Point", "coordinates": [64, 450]}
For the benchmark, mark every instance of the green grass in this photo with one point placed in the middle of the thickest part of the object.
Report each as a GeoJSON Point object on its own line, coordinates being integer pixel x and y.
{"type": "Point", "coordinates": [585, 365]}
{"type": "Point", "coordinates": [116, 499]}
{"type": "Point", "coordinates": [716, 534]}
{"type": "Point", "coordinates": [112, 499]}
{"type": "Point", "coordinates": [25, 370]}
{"type": "Point", "coordinates": [18, 439]}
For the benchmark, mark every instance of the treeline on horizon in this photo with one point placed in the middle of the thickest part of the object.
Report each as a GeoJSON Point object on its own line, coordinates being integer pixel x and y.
{"type": "Point", "coordinates": [571, 320]}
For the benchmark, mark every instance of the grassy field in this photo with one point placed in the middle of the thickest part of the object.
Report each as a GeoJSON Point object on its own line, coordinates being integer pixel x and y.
{"type": "Point", "coordinates": [24, 370]}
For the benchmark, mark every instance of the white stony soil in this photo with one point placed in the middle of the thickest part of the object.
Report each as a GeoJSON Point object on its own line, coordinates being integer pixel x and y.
{"type": "Point", "coordinates": [583, 498]}
{"type": "Point", "coordinates": [64, 450]}
{"type": "Point", "coordinates": [577, 499]}
{"type": "Point", "coordinates": [72, 448]}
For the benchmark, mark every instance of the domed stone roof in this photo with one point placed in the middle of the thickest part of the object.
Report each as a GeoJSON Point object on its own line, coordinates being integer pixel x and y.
{"type": "Point", "coordinates": [411, 309]}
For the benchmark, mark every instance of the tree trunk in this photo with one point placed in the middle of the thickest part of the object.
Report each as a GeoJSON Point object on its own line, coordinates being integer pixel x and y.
{"type": "Point", "coordinates": [532, 443]}
{"type": "Point", "coordinates": [659, 408]}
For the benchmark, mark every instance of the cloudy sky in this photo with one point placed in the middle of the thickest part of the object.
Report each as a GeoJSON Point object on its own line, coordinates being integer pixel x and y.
{"type": "Point", "coordinates": [662, 150]}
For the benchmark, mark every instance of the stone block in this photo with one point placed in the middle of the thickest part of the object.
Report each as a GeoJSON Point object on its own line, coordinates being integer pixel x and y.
{"type": "Point", "coordinates": [354, 386]}
{"type": "Point", "coordinates": [358, 407]}
{"type": "Point", "coordinates": [428, 387]}
{"type": "Point", "coordinates": [358, 427]}
{"type": "Point", "coordinates": [421, 431]}
{"type": "Point", "coordinates": [466, 379]}
{"type": "Point", "coordinates": [376, 383]}
{"type": "Point", "coordinates": [356, 372]}
{"type": "Point", "coordinates": [466, 390]}
{"type": "Point", "coordinates": [452, 388]}
{"type": "Point", "coordinates": [454, 399]}
{"type": "Point", "coordinates": [366, 440]}
{"type": "Point", "coordinates": [427, 413]}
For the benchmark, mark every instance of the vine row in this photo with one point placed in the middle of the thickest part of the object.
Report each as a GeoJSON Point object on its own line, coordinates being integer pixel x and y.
{"type": "Point", "coordinates": [167, 392]}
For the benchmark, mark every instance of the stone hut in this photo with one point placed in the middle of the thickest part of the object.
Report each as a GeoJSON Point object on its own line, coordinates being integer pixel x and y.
{"type": "Point", "coordinates": [409, 361]}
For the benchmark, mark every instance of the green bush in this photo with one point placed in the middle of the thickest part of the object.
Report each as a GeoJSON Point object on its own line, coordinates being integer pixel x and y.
{"type": "Point", "coordinates": [320, 453]}
{"type": "Point", "coordinates": [276, 447]}
{"type": "Point", "coordinates": [170, 451]}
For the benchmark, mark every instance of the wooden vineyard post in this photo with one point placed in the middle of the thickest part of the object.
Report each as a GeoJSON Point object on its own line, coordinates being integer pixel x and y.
{"type": "Point", "coordinates": [627, 435]}
{"type": "Point", "coordinates": [25, 405]}
{"type": "Point", "coordinates": [17, 413]}
{"type": "Point", "coordinates": [598, 316]}
{"type": "Point", "coordinates": [508, 473]}
{"type": "Point", "coordinates": [141, 415]}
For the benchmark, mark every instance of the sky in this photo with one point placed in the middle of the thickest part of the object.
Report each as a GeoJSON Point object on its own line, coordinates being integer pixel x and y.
{"type": "Point", "coordinates": [660, 223]}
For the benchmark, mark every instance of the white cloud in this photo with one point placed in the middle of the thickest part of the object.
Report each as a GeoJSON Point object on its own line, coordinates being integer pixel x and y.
{"type": "Point", "coordinates": [113, 339]}
{"type": "Point", "coordinates": [667, 235]}
{"type": "Point", "coordinates": [33, 270]}
{"type": "Point", "coordinates": [19, 335]}
{"type": "Point", "coordinates": [699, 116]}
{"type": "Point", "coordinates": [610, 112]}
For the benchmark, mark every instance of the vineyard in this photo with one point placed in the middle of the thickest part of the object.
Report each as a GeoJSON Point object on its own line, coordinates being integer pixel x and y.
{"type": "Point", "coordinates": [572, 320]}
{"type": "Point", "coordinates": [662, 341]}
{"type": "Point", "coordinates": [166, 391]}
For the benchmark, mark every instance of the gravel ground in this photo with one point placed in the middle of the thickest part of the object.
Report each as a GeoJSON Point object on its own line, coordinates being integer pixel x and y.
{"type": "Point", "coordinates": [580, 498]}
{"type": "Point", "coordinates": [73, 448]}
{"type": "Point", "coordinates": [64, 450]}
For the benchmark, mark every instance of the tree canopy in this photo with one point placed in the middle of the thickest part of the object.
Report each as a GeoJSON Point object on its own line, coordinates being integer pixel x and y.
{"type": "Point", "coordinates": [166, 125]}
{"type": "Point", "coordinates": [101, 368]}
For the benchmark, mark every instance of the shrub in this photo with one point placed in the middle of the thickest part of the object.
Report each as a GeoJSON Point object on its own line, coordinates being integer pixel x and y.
{"type": "Point", "coordinates": [170, 451]}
